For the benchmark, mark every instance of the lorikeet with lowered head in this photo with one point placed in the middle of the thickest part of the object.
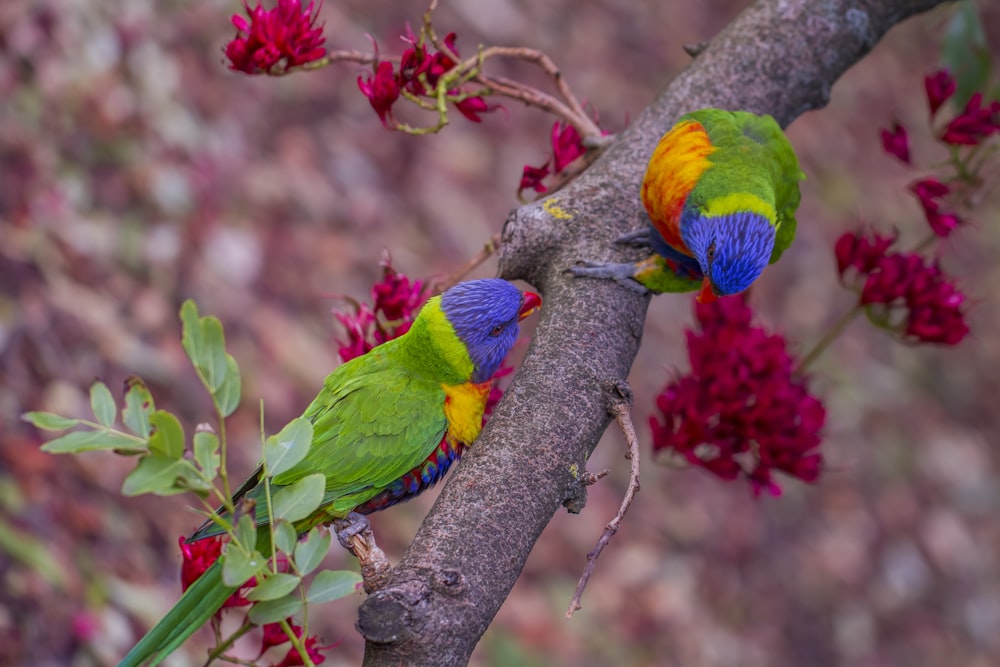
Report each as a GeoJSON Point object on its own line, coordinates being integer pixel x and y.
{"type": "Point", "coordinates": [721, 191]}
{"type": "Point", "coordinates": [386, 426]}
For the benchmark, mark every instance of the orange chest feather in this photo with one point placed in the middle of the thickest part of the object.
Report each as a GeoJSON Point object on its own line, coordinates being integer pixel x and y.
{"type": "Point", "coordinates": [677, 163]}
{"type": "Point", "coordinates": [463, 408]}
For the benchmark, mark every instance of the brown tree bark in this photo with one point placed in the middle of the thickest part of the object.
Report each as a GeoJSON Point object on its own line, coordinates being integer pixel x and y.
{"type": "Point", "coordinates": [779, 57]}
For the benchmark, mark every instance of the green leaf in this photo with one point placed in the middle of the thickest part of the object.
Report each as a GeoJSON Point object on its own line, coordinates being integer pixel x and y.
{"type": "Point", "coordinates": [285, 537]}
{"type": "Point", "coordinates": [206, 453]}
{"type": "Point", "coordinates": [310, 552]}
{"type": "Point", "coordinates": [205, 345]}
{"type": "Point", "coordinates": [299, 500]}
{"type": "Point", "coordinates": [238, 567]}
{"type": "Point", "coordinates": [167, 439]}
{"type": "Point", "coordinates": [288, 447]}
{"type": "Point", "coordinates": [48, 421]}
{"type": "Point", "coordinates": [138, 406]}
{"type": "Point", "coordinates": [227, 397]}
{"type": "Point", "coordinates": [192, 480]}
{"type": "Point", "coordinates": [275, 586]}
{"type": "Point", "coordinates": [965, 53]}
{"type": "Point", "coordinates": [89, 441]}
{"type": "Point", "coordinates": [246, 532]}
{"type": "Point", "coordinates": [154, 474]}
{"type": "Point", "coordinates": [103, 404]}
{"type": "Point", "coordinates": [332, 585]}
{"type": "Point", "coordinates": [272, 611]}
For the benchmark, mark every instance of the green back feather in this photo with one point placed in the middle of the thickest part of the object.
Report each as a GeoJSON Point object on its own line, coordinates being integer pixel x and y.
{"type": "Point", "coordinates": [753, 151]}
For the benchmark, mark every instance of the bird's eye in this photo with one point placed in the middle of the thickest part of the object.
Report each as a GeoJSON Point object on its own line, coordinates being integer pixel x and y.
{"type": "Point", "coordinates": [711, 251]}
{"type": "Point", "coordinates": [498, 329]}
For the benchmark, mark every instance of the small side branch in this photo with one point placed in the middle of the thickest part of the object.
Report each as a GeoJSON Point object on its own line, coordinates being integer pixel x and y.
{"type": "Point", "coordinates": [622, 414]}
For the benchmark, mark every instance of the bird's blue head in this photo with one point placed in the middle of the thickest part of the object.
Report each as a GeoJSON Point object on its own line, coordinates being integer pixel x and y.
{"type": "Point", "coordinates": [732, 249]}
{"type": "Point", "coordinates": [485, 315]}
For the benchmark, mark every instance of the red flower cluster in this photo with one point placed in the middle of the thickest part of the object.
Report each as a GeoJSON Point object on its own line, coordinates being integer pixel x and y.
{"type": "Point", "coordinates": [395, 301]}
{"type": "Point", "coordinates": [896, 142]}
{"type": "Point", "coordinates": [930, 191]}
{"type": "Point", "coordinates": [902, 291]}
{"type": "Point", "coordinates": [741, 410]}
{"type": "Point", "coordinates": [275, 40]}
{"type": "Point", "coordinates": [968, 128]}
{"type": "Point", "coordinates": [567, 145]}
{"type": "Point", "coordinates": [939, 87]}
{"type": "Point", "coordinates": [418, 75]}
{"type": "Point", "coordinates": [198, 557]}
{"type": "Point", "coordinates": [274, 635]}
{"type": "Point", "coordinates": [974, 124]}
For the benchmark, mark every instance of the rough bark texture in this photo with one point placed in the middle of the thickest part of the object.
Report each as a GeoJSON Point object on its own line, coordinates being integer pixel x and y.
{"type": "Point", "coordinates": [779, 57]}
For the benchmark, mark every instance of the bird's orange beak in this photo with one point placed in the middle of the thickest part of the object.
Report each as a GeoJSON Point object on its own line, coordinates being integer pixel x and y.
{"type": "Point", "coordinates": [530, 304]}
{"type": "Point", "coordinates": [707, 294]}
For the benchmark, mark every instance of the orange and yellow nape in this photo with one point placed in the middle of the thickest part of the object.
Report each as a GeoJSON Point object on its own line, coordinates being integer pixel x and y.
{"type": "Point", "coordinates": [677, 163]}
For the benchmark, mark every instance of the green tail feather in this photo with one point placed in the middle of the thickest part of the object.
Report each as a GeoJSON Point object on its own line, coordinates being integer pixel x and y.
{"type": "Point", "coordinates": [198, 604]}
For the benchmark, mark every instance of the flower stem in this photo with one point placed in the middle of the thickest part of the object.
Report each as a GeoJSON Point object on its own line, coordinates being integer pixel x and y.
{"type": "Point", "coordinates": [831, 335]}
{"type": "Point", "coordinates": [224, 646]}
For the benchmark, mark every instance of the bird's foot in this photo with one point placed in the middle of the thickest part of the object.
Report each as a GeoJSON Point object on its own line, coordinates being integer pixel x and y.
{"type": "Point", "coordinates": [352, 525]}
{"type": "Point", "coordinates": [640, 238]}
{"type": "Point", "coordinates": [620, 273]}
{"type": "Point", "coordinates": [354, 533]}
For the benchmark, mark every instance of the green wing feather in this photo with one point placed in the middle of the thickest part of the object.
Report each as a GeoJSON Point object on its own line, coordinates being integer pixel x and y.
{"type": "Point", "coordinates": [753, 151]}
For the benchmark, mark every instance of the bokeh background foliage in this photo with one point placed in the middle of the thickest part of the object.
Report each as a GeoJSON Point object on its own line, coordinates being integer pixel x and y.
{"type": "Point", "coordinates": [137, 171]}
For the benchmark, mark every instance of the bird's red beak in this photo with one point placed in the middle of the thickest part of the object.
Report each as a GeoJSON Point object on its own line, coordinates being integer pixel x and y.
{"type": "Point", "coordinates": [530, 304]}
{"type": "Point", "coordinates": [707, 294]}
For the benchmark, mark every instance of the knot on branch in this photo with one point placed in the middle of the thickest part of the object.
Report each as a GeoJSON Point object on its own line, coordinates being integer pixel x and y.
{"type": "Point", "coordinates": [396, 614]}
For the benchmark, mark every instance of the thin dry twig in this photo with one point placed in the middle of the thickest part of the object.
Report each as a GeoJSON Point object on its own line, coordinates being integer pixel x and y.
{"type": "Point", "coordinates": [489, 248]}
{"type": "Point", "coordinates": [622, 415]}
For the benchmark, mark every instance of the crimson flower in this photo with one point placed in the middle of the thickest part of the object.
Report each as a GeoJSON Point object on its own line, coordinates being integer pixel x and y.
{"type": "Point", "coordinates": [274, 635]}
{"type": "Point", "coordinates": [417, 63]}
{"type": "Point", "coordinates": [275, 40]}
{"type": "Point", "coordinates": [472, 107]}
{"type": "Point", "coordinates": [532, 177]}
{"type": "Point", "coordinates": [293, 658]}
{"type": "Point", "coordinates": [939, 86]}
{"type": "Point", "coordinates": [895, 142]}
{"type": "Point", "coordinates": [198, 557]}
{"type": "Point", "coordinates": [566, 145]}
{"type": "Point", "coordinates": [395, 301]}
{"type": "Point", "coordinates": [974, 124]}
{"type": "Point", "coordinates": [741, 410]}
{"type": "Point", "coordinates": [857, 250]}
{"type": "Point", "coordinates": [929, 191]}
{"type": "Point", "coordinates": [916, 299]}
{"type": "Point", "coordinates": [382, 91]}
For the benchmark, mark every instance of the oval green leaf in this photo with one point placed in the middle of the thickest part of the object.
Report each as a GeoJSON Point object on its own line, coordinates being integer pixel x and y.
{"type": "Point", "coordinates": [288, 446]}
{"type": "Point", "coordinates": [332, 585]}
{"type": "Point", "coordinates": [167, 437]}
{"type": "Point", "coordinates": [238, 567]}
{"type": "Point", "coordinates": [49, 421]}
{"type": "Point", "coordinates": [138, 407]}
{"type": "Point", "coordinates": [274, 587]}
{"type": "Point", "coordinates": [90, 441]}
{"type": "Point", "coordinates": [272, 611]}
{"type": "Point", "coordinates": [103, 404]}
{"type": "Point", "coordinates": [285, 537]}
{"type": "Point", "coordinates": [206, 453]}
{"type": "Point", "coordinates": [296, 502]}
{"type": "Point", "coordinates": [154, 474]}
{"type": "Point", "coordinates": [310, 552]}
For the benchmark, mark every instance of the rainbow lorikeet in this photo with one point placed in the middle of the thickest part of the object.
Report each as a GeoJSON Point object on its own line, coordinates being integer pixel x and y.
{"type": "Point", "coordinates": [386, 426]}
{"type": "Point", "coordinates": [721, 191]}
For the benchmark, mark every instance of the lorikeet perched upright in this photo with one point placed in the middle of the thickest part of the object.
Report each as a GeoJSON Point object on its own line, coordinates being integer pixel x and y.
{"type": "Point", "coordinates": [721, 191]}
{"type": "Point", "coordinates": [386, 426]}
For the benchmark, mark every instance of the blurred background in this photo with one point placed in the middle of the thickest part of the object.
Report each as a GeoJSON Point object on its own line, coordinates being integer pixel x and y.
{"type": "Point", "coordinates": [137, 171]}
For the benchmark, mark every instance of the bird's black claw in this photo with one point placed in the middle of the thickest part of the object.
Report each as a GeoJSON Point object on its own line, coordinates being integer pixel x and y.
{"type": "Point", "coordinates": [351, 525]}
{"type": "Point", "coordinates": [620, 273]}
{"type": "Point", "coordinates": [640, 238]}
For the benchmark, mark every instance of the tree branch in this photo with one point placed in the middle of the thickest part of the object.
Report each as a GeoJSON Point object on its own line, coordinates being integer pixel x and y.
{"type": "Point", "coordinates": [779, 57]}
